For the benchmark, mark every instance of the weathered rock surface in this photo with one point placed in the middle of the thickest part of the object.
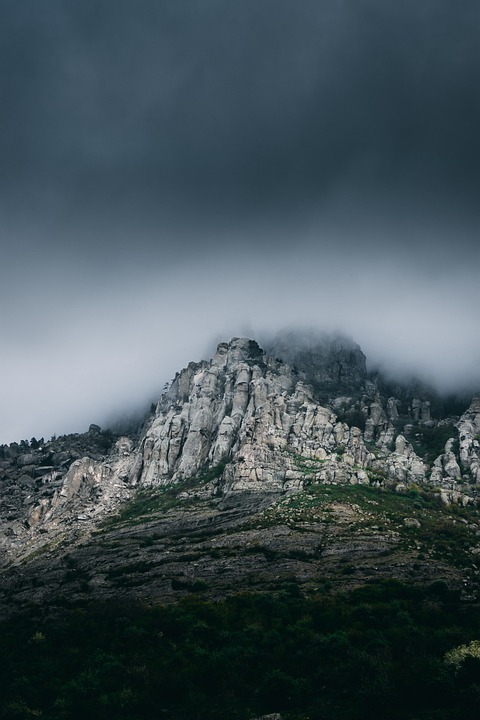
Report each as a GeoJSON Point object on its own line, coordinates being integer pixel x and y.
{"type": "Point", "coordinates": [469, 439]}
{"type": "Point", "coordinates": [252, 414]}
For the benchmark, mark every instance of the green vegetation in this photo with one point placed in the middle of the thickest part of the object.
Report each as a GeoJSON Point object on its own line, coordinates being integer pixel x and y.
{"type": "Point", "coordinates": [306, 465]}
{"type": "Point", "coordinates": [458, 655]}
{"type": "Point", "coordinates": [386, 650]}
{"type": "Point", "coordinates": [160, 499]}
{"type": "Point", "coordinates": [429, 443]}
{"type": "Point", "coordinates": [352, 416]}
{"type": "Point", "coordinates": [377, 475]}
{"type": "Point", "coordinates": [446, 532]}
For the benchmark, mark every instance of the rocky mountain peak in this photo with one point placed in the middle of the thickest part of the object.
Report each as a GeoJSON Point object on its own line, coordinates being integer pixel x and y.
{"type": "Point", "coordinates": [236, 351]}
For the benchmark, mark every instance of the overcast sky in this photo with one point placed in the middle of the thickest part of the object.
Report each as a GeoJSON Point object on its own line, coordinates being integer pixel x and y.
{"type": "Point", "coordinates": [178, 172]}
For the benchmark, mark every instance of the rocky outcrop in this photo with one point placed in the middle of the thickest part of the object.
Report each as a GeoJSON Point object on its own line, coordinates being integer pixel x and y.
{"type": "Point", "coordinates": [64, 486]}
{"type": "Point", "coordinates": [469, 439]}
{"type": "Point", "coordinates": [404, 464]}
{"type": "Point", "coordinates": [252, 414]}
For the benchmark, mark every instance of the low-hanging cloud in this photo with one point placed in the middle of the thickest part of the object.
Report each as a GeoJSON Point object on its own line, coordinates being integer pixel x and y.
{"type": "Point", "coordinates": [175, 173]}
{"type": "Point", "coordinates": [107, 344]}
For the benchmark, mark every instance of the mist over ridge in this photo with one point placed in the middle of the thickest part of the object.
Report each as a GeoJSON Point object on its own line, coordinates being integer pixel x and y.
{"type": "Point", "coordinates": [89, 335]}
{"type": "Point", "coordinates": [123, 380]}
{"type": "Point", "coordinates": [175, 174]}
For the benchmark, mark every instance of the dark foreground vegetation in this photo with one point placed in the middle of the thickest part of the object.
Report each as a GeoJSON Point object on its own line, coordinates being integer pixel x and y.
{"type": "Point", "coordinates": [381, 651]}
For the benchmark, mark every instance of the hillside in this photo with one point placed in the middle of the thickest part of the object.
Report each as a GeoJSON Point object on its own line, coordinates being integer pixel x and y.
{"type": "Point", "coordinates": [294, 476]}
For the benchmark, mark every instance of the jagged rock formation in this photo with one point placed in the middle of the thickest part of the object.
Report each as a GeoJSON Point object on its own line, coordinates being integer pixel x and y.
{"type": "Point", "coordinates": [251, 413]}
{"type": "Point", "coordinates": [469, 439]}
{"type": "Point", "coordinates": [247, 424]}
{"type": "Point", "coordinates": [35, 476]}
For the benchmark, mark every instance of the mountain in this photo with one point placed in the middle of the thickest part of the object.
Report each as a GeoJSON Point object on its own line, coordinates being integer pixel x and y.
{"type": "Point", "coordinates": [289, 454]}
{"type": "Point", "coordinates": [282, 522]}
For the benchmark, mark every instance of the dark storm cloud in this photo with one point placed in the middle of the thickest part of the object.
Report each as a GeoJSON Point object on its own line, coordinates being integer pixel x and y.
{"type": "Point", "coordinates": [237, 105]}
{"type": "Point", "coordinates": [176, 170]}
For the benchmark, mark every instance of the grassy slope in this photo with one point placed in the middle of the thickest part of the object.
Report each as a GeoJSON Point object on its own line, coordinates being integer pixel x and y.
{"type": "Point", "coordinates": [378, 651]}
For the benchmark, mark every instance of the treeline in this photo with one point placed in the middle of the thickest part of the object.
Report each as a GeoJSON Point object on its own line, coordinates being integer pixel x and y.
{"type": "Point", "coordinates": [378, 652]}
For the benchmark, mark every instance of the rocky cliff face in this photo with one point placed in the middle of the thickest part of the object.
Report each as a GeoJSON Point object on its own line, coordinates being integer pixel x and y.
{"type": "Point", "coordinates": [247, 423]}
{"type": "Point", "coordinates": [253, 416]}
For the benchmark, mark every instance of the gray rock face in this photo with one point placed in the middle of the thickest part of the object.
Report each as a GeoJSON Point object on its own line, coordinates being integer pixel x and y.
{"type": "Point", "coordinates": [469, 439]}
{"type": "Point", "coordinates": [421, 410]}
{"type": "Point", "coordinates": [246, 407]}
{"type": "Point", "coordinates": [404, 464]}
{"type": "Point", "coordinates": [42, 499]}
